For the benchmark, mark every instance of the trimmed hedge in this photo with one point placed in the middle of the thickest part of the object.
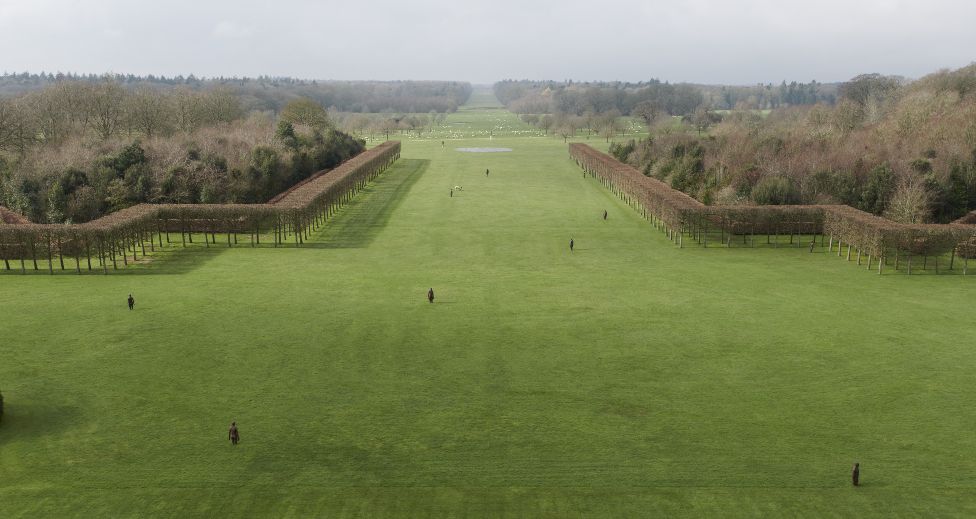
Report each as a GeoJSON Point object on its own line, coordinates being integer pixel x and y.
{"type": "Point", "coordinates": [872, 235]}
{"type": "Point", "coordinates": [124, 234]}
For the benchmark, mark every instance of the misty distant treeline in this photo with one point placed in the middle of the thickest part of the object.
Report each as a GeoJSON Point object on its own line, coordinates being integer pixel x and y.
{"type": "Point", "coordinates": [265, 93]}
{"type": "Point", "coordinates": [577, 99]}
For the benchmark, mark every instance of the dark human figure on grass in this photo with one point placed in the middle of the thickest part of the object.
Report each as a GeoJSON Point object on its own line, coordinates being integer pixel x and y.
{"type": "Point", "coordinates": [486, 172]}
{"type": "Point", "coordinates": [571, 245]}
{"type": "Point", "coordinates": [233, 434]}
{"type": "Point", "coordinates": [132, 302]}
{"type": "Point", "coordinates": [452, 193]}
{"type": "Point", "coordinates": [813, 244]}
{"type": "Point", "coordinates": [856, 474]}
{"type": "Point", "coordinates": [430, 295]}
{"type": "Point", "coordinates": [604, 214]}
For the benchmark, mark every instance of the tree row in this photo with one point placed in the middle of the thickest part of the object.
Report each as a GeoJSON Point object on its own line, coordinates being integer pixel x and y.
{"type": "Point", "coordinates": [875, 240]}
{"type": "Point", "coordinates": [110, 241]}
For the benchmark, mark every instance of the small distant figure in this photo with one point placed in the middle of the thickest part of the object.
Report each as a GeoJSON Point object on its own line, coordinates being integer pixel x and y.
{"type": "Point", "coordinates": [233, 434]}
{"type": "Point", "coordinates": [486, 172]}
{"type": "Point", "coordinates": [442, 144]}
{"type": "Point", "coordinates": [132, 302]}
{"type": "Point", "coordinates": [452, 193]}
{"type": "Point", "coordinates": [571, 245]}
{"type": "Point", "coordinates": [856, 474]}
{"type": "Point", "coordinates": [604, 214]}
{"type": "Point", "coordinates": [812, 244]}
{"type": "Point", "coordinates": [430, 295]}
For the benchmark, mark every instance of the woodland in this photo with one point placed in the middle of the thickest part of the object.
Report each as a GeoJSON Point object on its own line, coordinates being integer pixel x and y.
{"type": "Point", "coordinates": [74, 148]}
{"type": "Point", "coordinates": [905, 150]}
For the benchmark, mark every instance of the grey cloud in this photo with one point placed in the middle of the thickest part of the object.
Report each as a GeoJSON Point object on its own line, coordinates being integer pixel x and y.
{"type": "Point", "coordinates": [703, 41]}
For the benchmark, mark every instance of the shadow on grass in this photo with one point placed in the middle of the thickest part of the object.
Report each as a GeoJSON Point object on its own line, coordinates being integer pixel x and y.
{"type": "Point", "coordinates": [31, 421]}
{"type": "Point", "coordinates": [175, 260]}
{"type": "Point", "coordinates": [172, 259]}
{"type": "Point", "coordinates": [355, 226]}
{"type": "Point", "coordinates": [359, 222]}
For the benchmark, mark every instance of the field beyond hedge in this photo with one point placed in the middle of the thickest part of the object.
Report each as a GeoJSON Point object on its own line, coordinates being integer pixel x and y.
{"type": "Point", "coordinates": [627, 378]}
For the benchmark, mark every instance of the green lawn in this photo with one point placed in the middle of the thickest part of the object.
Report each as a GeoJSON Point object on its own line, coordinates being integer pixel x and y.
{"type": "Point", "coordinates": [628, 378]}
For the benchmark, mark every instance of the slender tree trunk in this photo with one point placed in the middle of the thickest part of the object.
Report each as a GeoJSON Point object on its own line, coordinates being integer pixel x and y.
{"type": "Point", "coordinates": [50, 256]}
{"type": "Point", "coordinates": [60, 254]}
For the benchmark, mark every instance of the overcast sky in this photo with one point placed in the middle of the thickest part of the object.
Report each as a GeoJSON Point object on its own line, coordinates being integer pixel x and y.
{"type": "Point", "coordinates": [703, 41]}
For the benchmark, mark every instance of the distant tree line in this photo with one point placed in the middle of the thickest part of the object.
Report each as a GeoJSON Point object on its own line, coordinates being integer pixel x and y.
{"type": "Point", "coordinates": [266, 93]}
{"type": "Point", "coordinates": [905, 150]}
{"type": "Point", "coordinates": [383, 126]}
{"type": "Point", "coordinates": [769, 96]}
{"type": "Point", "coordinates": [650, 99]}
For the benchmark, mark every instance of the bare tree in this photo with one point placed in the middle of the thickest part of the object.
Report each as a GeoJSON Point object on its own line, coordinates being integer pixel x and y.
{"type": "Point", "coordinates": [704, 119]}
{"type": "Point", "coordinates": [609, 124]}
{"type": "Point", "coordinates": [149, 112]}
{"type": "Point", "coordinates": [566, 131]}
{"type": "Point", "coordinates": [74, 96]}
{"type": "Point", "coordinates": [648, 111]}
{"type": "Point", "coordinates": [911, 201]}
{"type": "Point", "coordinates": [546, 122]}
{"type": "Point", "coordinates": [307, 112]}
{"type": "Point", "coordinates": [220, 106]}
{"type": "Point", "coordinates": [106, 104]}
{"type": "Point", "coordinates": [16, 131]}
{"type": "Point", "coordinates": [187, 109]}
{"type": "Point", "coordinates": [50, 114]}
